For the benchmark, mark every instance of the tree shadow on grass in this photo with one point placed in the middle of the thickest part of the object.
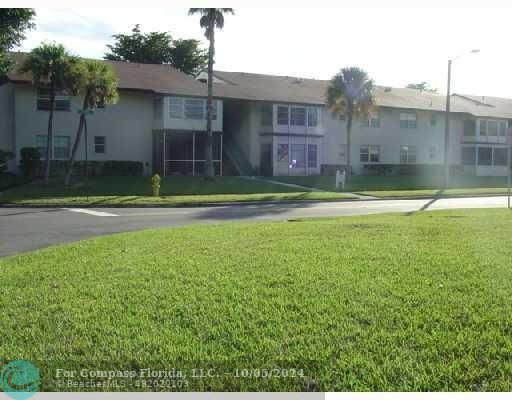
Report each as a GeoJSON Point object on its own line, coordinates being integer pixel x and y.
{"type": "Point", "coordinates": [428, 204]}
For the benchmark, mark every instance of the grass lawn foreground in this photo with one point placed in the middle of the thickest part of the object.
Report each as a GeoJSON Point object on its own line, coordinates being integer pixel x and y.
{"type": "Point", "coordinates": [174, 191]}
{"type": "Point", "coordinates": [398, 302]}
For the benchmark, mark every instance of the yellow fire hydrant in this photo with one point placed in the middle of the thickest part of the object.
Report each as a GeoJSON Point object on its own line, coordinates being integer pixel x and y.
{"type": "Point", "coordinates": [155, 183]}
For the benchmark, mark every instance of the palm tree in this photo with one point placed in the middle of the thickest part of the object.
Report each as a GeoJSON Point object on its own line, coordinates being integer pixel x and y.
{"type": "Point", "coordinates": [49, 65]}
{"type": "Point", "coordinates": [350, 94]}
{"type": "Point", "coordinates": [97, 83]}
{"type": "Point", "coordinates": [211, 18]}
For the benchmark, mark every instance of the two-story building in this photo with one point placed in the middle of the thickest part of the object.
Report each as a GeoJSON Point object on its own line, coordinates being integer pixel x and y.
{"type": "Point", "coordinates": [281, 126]}
{"type": "Point", "coordinates": [159, 120]}
{"type": "Point", "coordinates": [263, 124]}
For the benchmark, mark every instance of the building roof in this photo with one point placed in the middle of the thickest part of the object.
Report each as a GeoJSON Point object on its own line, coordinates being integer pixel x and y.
{"type": "Point", "coordinates": [134, 76]}
{"type": "Point", "coordinates": [288, 89]}
{"type": "Point", "coordinates": [165, 79]}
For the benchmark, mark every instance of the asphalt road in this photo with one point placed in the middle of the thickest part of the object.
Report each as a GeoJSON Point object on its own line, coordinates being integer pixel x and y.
{"type": "Point", "coordinates": [23, 229]}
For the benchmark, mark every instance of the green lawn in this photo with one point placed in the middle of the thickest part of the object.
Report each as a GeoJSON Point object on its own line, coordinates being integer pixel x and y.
{"type": "Point", "coordinates": [383, 303]}
{"type": "Point", "coordinates": [174, 191]}
{"type": "Point", "coordinates": [391, 186]}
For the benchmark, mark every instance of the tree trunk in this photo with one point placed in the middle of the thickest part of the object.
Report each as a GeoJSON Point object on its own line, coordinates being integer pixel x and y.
{"type": "Point", "coordinates": [348, 172]}
{"type": "Point", "coordinates": [49, 139]}
{"type": "Point", "coordinates": [210, 173]}
{"type": "Point", "coordinates": [78, 137]}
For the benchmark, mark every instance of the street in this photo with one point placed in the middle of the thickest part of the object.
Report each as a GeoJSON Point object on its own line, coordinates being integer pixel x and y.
{"type": "Point", "coordinates": [24, 229]}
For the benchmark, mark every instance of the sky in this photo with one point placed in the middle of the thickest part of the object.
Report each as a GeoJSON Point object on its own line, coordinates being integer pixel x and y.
{"type": "Point", "coordinates": [395, 45]}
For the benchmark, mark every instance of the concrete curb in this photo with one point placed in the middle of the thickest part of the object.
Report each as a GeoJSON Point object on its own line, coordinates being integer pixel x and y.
{"type": "Point", "coordinates": [241, 203]}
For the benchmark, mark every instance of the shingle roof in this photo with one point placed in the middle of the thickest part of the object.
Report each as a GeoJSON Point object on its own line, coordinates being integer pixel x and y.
{"type": "Point", "coordinates": [152, 77]}
{"type": "Point", "coordinates": [258, 87]}
{"type": "Point", "coordinates": [312, 91]}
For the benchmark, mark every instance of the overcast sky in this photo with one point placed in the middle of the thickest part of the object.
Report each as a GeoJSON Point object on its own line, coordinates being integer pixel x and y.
{"type": "Point", "coordinates": [396, 46]}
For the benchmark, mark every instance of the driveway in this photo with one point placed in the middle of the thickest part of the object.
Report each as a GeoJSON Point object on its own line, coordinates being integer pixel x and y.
{"type": "Point", "coordinates": [23, 229]}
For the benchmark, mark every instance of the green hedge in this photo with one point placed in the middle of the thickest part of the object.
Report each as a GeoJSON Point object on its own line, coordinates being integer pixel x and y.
{"type": "Point", "coordinates": [96, 168]}
{"type": "Point", "coordinates": [410, 169]}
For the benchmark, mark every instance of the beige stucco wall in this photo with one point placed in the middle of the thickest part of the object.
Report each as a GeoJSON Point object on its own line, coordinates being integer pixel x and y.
{"type": "Point", "coordinates": [332, 141]}
{"type": "Point", "coordinates": [126, 125]}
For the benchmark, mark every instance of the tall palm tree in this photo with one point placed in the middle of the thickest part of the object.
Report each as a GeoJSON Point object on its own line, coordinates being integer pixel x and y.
{"type": "Point", "coordinates": [49, 64]}
{"type": "Point", "coordinates": [350, 94]}
{"type": "Point", "coordinates": [211, 18]}
{"type": "Point", "coordinates": [97, 83]}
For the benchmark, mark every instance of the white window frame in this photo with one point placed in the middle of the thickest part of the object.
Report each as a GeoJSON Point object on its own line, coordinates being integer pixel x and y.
{"type": "Point", "coordinates": [300, 109]}
{"type": "Point", "coordinates": [52, 150]}
{"type": "Point", "coordinates": [407, 151]}
{"type": "Point", "coordinates": [373, 120]}
{"type": "Point", "coordinates": [176, 108]}
{"type": "Point", "coordinates": [60, 96]}
{"type": "Point", "coordinates": [371, 150]}
{"type": "Point", "coordinates": [104, 144]}
{"type": "Point", "coordinates": [410, 119]}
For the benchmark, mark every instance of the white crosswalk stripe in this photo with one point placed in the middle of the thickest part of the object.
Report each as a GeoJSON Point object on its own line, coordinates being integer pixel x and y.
{"type": "Point", "coordinates": [91, 212]}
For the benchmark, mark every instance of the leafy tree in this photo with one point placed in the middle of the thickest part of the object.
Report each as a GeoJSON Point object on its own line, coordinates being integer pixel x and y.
{"type": "Point", "coordinates": [422, 86]}
{"type": "Point", "coordinates": [49, 65]}
{"type": "Point", "coordinates": [211, 18]}
{"type": "Point", "coordinates": [187, 56]}
{"type": "Point", "coordinates": [97, 83]}
{"type": "Point", "coordinates": [350, 94]}
{"type": "Point", "coordinates": [158, 48]}
{"type": "Point", "coordinates": [13, 24]}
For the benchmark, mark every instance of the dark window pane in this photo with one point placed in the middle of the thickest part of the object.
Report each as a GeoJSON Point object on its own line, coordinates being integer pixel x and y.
{"type": "Point", "coordinates": [312, 155]}
{"type": "Point", "coordinates": [501, 157]}
{"type": "Point", "coordinates": [468, 156]}
{"type": "Point", "coordinates": [484, 156]}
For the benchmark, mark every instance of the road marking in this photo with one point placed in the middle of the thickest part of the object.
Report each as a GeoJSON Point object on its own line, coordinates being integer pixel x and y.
{"type": "Point", "coordinates": [91, 212]}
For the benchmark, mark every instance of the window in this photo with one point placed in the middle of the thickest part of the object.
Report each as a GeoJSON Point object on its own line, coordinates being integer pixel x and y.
{"type": "Point", "coordinates": [373, 120]}
{"type": "Point", "coordinates": [175, 107]}
{"type": "Point", "coordinates": [41, 145]}
{"type": "Point", "coordinates": [62, 101]}
{"type": "Point", "coordinates": [469, 127]}
{"type": "Point", "coordinates": [335, 115]}
{"type": "Point", "coordinates": [312, 155]}
{"type": "Point", "coordinates": [433, 120]}
{"type": "Point", "coordinates": [492, 128]}
{"type": "Point", "coordinates": [60, 146]}
{"type": "Point", "coordinates": [267, 115]}
{"type": "Point", "coordinates": [297, 116]}
{"type": "Point", "coordinates": [432, 153]}
{"type": "Point", "coordinates": [369, 153]}
{"type": "Point", "coordinates": [298, 159]}
{"type": "Point", "coordinates": [194, 108]}
{"type": "Point", "coordinates": [468, 156]}
{"type": "Point", "coordinates": [500, 156]}
{"type": "Point", "coordinates": [312, 116]}
{"type": "Point", "coordinates": [503, 128]}
{"type": "Point", "coordinates": [157, 108]}
{"type": "Point", "coordinates": [408, 120]}
{"type": "Point", "coordinates": [282, 115]}
{"type": "Point", "coordinates": [483, 127]}
{"type": "Point", "coordinates": [408, 154]}
{"type": "Point", "coordinates": [99, 144]}
{"type": "Point", "coordinates": [282, 153]}
{"type": "Point", "coordinates": [485, 156]}
{"type": "Point", "coordinates": [342, 150]}
{"type": "Point", "coordinates": [214, 109]}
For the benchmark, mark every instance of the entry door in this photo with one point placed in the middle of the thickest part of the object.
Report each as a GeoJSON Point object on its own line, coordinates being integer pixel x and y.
{"type": "Point", "coordinates": [266, 168]}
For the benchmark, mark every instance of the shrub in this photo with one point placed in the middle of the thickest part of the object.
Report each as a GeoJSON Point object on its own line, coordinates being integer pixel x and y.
{"type": "Point", "coordinates": [4, 157]}
{"type": "Point", "coordinates": [30, 161]}
{"type": "Point", "coordinates": [98, 168]}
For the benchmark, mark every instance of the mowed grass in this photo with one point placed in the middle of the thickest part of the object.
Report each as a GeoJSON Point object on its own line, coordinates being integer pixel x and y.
{"type": "Point", "coordinates": [383, 303]}
{"type": "Point", "coordinates": [405, 186]}
{"type": "Point", "coordinates": [174, 191]}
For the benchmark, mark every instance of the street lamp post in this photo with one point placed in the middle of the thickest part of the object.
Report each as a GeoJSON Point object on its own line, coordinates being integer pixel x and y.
{"type": "Point", "coordinates": [447, 120]}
